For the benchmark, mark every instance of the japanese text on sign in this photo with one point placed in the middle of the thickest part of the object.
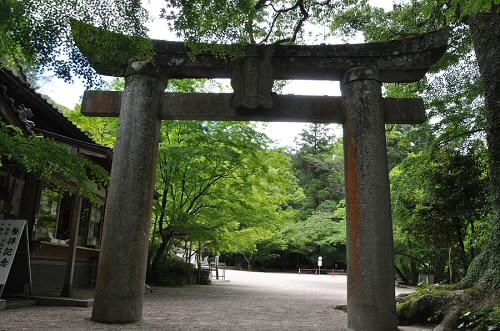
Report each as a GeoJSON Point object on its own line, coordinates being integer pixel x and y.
{"type": "Point", "coordinates": [10, 234]}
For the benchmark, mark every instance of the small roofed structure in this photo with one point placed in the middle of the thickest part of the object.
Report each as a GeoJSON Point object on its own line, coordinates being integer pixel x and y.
{"type": "Point", "coordinates": [50, 215]}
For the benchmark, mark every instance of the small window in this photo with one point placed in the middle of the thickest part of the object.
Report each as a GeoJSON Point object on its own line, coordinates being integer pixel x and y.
{"type": "Point", "coordinates": [46, 225]}
{"type": "Point", "coordinates": [94, 238]}
{"type": "Point", "coordinates": [54, 219]}
{"type": "Point", "coordinates": [64, 219]}
{"type": "Point", "coordinates": [89, 233]}
{"type": "Point", "coordinates": [83, 229]}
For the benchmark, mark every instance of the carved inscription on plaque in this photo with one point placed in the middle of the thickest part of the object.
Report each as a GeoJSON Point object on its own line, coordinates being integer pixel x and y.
{"type": "Point", "coordinates": [252, 81]}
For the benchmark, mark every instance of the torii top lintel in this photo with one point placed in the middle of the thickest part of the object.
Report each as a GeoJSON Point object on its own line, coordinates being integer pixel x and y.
{"type": "Point", "coordinates": [404, 60]}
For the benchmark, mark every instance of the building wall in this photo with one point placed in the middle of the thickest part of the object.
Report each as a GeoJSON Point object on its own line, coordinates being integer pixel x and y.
{"type": "Point", "coordinates": [48, 260]}
{"type": "Point", "coordinates": [20, 192]}
{"type": "Point", "coordinates": [48, 276]}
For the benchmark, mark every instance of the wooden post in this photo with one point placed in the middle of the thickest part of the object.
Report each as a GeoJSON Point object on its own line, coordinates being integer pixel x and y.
{"type": "Point", "coordinates": [217, 267]}
{"type": "Point", "coordinates": [76, 208]}
{"type": "Point", "coordinates": [450, 266]}
{"type": "Point", "coordinates": [198, 254]}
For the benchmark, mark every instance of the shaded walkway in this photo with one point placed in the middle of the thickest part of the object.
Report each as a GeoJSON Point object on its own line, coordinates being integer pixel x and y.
{"type": "Point", "coordinates": [250, 301]}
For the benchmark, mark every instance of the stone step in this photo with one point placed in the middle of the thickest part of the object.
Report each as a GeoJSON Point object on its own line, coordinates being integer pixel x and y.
{"type": "Point", "coordinates": [19, 303]}
{"type": "Point", "coordinates": [62, 301]}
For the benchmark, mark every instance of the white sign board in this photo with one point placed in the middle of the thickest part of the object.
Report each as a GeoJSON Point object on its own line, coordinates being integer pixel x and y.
{"type": "Point", "coordinates": [10, 235]}
{"type": "Point", "coordinates": [320, 261]}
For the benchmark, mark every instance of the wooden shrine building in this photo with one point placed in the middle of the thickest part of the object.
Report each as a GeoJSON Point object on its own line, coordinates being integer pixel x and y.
{"type": "Point", "coordinates": [49, 214]}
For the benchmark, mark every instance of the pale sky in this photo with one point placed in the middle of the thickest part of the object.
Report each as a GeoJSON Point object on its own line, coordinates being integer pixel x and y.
{"type": "Point", "coordinates": [283, 133]}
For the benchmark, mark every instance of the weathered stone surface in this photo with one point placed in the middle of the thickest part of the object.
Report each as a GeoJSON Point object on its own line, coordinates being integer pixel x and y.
{"type": "Point", "coordinates": [404, 60]}
{"type": "Point", "coordinates": [286, 108]}
{"type": "Point", "coordinates": [123, 257]}
{"type": "Point", "coordinates": [122, 265]}
{"type": "Point", "coordinates": [252, 81]}
{"type": "Point", "coordinates": [370, 283]}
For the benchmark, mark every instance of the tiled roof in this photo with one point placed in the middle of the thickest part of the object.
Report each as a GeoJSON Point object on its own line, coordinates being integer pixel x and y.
{"type": "Point", "coordinates": [48, 120]}
{"type": "Point", "coordinates": [45, 115]}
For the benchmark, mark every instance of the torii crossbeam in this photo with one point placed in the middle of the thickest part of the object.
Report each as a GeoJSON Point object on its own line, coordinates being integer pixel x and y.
{"type": "Point", "coordinates": [361, 68]}
{"type": "Point", "coordinates": [289, 108]}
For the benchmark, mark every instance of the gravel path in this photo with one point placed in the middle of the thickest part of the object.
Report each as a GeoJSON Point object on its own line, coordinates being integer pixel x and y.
{"type": "Point", "coordinates": [249, 301]}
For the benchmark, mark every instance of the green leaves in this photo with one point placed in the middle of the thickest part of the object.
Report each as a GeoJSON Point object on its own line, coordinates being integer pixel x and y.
{"type": "Point", "coordinates": [319, 164]}
{"type": "Point", "coordinates": [37, 33]}
{"type": "Point", "coordinates": [438, 202]}
{"type": "Point", "coordinates": [53, 162]}
{"type": "Point", "coordinates": [110, 52]}
{"type": "Point", "coordinates": [320, 223]}
{"type": "Point", "coordinates": [221, 185]}
{"type": "Point", "coordinates": [249, 21]}
{"type": "Point", "coordinates": [103, 130]}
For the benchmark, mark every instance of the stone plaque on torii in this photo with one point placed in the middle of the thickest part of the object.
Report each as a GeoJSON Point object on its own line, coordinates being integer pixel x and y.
{"type": "Point", "coordinates": [361, 68]}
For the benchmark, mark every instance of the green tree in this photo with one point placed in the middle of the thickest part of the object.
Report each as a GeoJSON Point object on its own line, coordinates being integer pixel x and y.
{"type": "Point", "coordinates": [475, 25]}
{"type": "Point", "coordinates": [438, 200]}
{"type": "Point", "coordinates": [249, 21]}
{"type": "Point", "coordinates": [103, 130]}
{"type": "Point", "coordinates": [262, 204]}
{"type": "Point", "coordinates": [322, 233]}
{"type": "Point", "coordinates": [218, 185]}
{"type": "Point", "coordinates": [51, 161]}
{"type": "Point", "coordinates": [36, 34]}
{"type": "Point", "coordinates": [319, 165]}
{"type": "Point", "coordinates": [320, 227]}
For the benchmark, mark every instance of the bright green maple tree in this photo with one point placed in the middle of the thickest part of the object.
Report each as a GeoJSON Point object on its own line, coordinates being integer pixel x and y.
{"type": "Point", "coordinates": [219, 184]}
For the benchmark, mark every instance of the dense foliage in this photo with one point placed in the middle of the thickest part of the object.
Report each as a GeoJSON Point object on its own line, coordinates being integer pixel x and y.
{"type": "Point", "coordinates": [51, 161]}
{"type": "Point", "coordinates": [218, 185]}
{"type": "Point", "coordinates": [462, 95]}
{"type": "Point", "coordinates": [36, 34]}
{"type": "Point", "coordinates": [249, 21]}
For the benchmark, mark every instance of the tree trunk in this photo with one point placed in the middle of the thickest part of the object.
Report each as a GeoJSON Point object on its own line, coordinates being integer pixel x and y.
{"type": "Point", "coordinates": [198, 261]}
{"type": "Point", "coordinates": [248, 260]}
{"type": "Point", "coordinates": [162, 249]}
{"type": "Point", "coordinates": [160, 252]}
{"type": "Point", "coordinates": [190, 251]}
{"type": "Point", "coordinates": [485, 31]}
{"type": "Point", "coordinates": [472, 239]}
{"type": "Point", "coordinates": [460, 239]}
{"type": "Point", "coordinates": [413, 279]}
{"type": "Point", "coordinates": [404, 279]}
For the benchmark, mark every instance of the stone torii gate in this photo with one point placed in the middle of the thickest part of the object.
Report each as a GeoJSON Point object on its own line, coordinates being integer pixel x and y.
{"type": "Point", "coordinates": [361, 68]}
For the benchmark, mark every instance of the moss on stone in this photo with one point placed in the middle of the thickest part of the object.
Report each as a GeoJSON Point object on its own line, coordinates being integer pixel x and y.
{"type": "Point", "coordinates": [444, 305]}
{"type": "Point", "coordinates": [420, 308]}
{"type": "Point", "coordinates": [110, 53]}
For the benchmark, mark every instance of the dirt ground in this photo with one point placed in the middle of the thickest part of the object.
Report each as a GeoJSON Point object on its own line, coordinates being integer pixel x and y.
{"type": "Point", "coordinates": [247, 301]}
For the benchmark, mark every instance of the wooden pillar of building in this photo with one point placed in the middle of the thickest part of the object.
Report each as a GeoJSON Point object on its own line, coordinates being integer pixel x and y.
{"type": "Point", "coordinates": [370, 276]}
{"type": "Point", "coordinates": [122, 262]}
{"type": "Point", "coordinates": [76, 208]}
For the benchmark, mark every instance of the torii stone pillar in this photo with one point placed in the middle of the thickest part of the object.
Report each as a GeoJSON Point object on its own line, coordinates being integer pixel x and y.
{"type": "Point", "coordinates": [123, 257]}
{"type": "Point", "coordinates": [370, 275]}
